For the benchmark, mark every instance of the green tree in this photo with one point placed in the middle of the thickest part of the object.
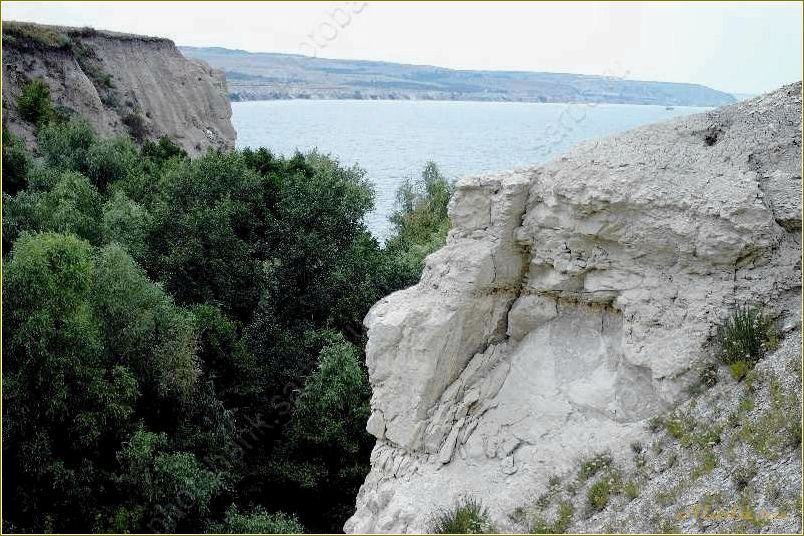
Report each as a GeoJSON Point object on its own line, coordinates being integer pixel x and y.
{"type": "Point", "coordinates": [143, 329]}
{"type": "Point", "coordinates": [126, 222]}
{"type": "Point", "coordinates": [326, 445]}
{"type": "Point", "coordinates": [420, 224]}
{"type": "Point", "coordinates": [72, 205]}
{"type": "Point", "coordinates": [62, 400]}
{"type": "Point", "coordinates": [108, 161]}
{"type": "Point", "coordinates": [66, 145]}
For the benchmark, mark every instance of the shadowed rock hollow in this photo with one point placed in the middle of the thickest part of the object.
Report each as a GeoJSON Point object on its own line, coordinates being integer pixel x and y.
{"type": "Point", "coordinates": [572, 302]}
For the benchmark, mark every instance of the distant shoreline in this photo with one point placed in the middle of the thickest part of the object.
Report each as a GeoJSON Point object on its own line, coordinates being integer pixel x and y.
{"type": "Point", "coordinates": [566, 103]}
{"type": "Point", "coordinates": [270, 76]}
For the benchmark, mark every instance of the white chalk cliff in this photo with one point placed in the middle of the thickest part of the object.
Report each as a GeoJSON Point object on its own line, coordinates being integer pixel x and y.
{"type": "Point", "coordinates": [570, 303]}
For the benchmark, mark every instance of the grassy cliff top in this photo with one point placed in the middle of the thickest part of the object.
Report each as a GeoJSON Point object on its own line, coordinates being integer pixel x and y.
{"type": "Point", "coordinates": [15, 32]}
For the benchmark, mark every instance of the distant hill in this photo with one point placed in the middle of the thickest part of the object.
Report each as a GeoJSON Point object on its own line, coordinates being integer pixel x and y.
{"type": "Point", "coordinates": [265, 76]}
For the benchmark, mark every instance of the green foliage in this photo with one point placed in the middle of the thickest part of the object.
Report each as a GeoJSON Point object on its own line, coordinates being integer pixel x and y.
{"type": "Point", "coordinates": [257, 521]}
{"type": "Point", "coordinates": [744, 337]}
{"type": "Point", "coordinates": [34, 102]}
{"type": "Point", "coordinates": [65, 145]}
{"type": "Point", "coordinates": [161, 150]}
{"type": "Point", "coordinates": [183, 335]}
{"type": "Point", "coordinates": [468, 516]}
{"type": "Point", "coordinates": [333, 407]}
{"type": "Point", "coordinates": [667, 526]}
{"type": "Point", "coordinates": [143, 328]}
{"type": "Point", "coordinates": [126, 223]}
{"type": "Point", "coordinates": [111, 160]}
{"type": "Point", "coordinates": [420, 223]}
{"type": "Point", "coordinates": [16, 163]}
{"type": "Point", "coordinates": [22, 32]}
{"type": "Point", "coordinates": [598, 494]}
{"type": "Point", "coordinates": [71, 205]}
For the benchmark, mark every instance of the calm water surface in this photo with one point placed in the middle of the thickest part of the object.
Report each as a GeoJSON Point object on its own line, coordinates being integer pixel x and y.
{"type": "Point", "coordinates": [392, 140]}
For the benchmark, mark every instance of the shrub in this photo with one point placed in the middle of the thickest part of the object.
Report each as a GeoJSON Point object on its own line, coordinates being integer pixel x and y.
{"type": "Point", "coordinates": [742, 475]}
{"type": "Point", "coordinates": [162, 150]}
{"type": "Point", "coordinates": [126, 222]}
{"type": "Point", "coordinates": [468, 516]}
{"type": "Point", "coordinates": [135, 123]}
{"type": "Point", "coordinates": [420, 223]}
{"type": "Point", "coordinates": [16, 163]}
{"type": "Point", "coordinates": [34, 102]}
{"type": "Point", "coordinates": [65, 145]}
{"type": "Point", "coordinates": [112, 160]}
{"type": "Point", "coordinates": [744, 338]}
{"type": "Point", "coordinates": [258, 521]}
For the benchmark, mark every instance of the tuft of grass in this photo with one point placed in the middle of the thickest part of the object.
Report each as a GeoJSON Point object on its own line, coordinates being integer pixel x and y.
{"type": "Point", "coordinates": [691, 433]}
{"type": "Point", "coordinates": [557, 526]}
{"type": "Point", "coordinates": [668, 527]}
{"type": "Point", "coordinates": [468, 516]}
{"type": "Point", "coordinates": [672, 458]}
{"type": "Point", "coordinates": [655, 424]}
{"type": "Point", "coordinates": [739, 369]}
{"type": "Point", "coordinates": [776, 428]}
{"type": "Point", "coordinates": [543, 501]}
{"type": "Point", "coordinates": [631, 490]}
{"type": "Point", "coordinates": [707, 378]}
{"type": "Point", "coordinates": [744, 338]}
{"type": "Point", "coordinates": [742, 475]}
{"type": "Point", "coordinates": [599, 493]}
{"type": "Point", "coordinates": [593, 465]}
{"type": "Point", "coordinates": [706, 464]}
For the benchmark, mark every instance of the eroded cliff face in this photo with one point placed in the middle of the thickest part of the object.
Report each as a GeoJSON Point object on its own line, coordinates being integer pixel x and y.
{"type": "Point", "coordinates": [572, 302]}
{"type": "Point", "coordinates": [120, 83]}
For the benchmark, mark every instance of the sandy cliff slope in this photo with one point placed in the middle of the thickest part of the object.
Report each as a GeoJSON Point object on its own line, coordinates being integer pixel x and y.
{"type": "Point", "coordinates": [120, 83]}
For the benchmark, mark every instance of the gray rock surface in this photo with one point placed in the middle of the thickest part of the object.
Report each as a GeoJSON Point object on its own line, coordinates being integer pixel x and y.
{"type": "Point", "coordinates": [574, 301]}
{"type": "Point", "coordinates": [115, 81]}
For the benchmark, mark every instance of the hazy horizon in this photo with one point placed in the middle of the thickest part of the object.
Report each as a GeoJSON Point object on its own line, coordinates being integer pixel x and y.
{"type": "Point", "coordinates": [739, 48]}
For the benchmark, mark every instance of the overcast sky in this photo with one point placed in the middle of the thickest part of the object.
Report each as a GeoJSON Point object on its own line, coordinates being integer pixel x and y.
{"type": "Point", "coordinates": [739, 47]}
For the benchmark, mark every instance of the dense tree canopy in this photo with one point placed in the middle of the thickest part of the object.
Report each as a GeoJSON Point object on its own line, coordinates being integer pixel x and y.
{"type": "Point", "coordinates": [182, 338]}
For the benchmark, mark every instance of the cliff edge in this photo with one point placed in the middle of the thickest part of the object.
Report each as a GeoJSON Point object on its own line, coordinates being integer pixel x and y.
{"type": "Point", "coordinates": [120, 83]}
{"type": "Point", "coordinates": [572, 303]}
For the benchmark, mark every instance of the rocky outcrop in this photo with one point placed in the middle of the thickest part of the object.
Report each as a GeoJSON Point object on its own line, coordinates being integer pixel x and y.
{"type": "Point", "coordinates": [120, 83]}
{"type": "Point", "coordinates": [572, 302]}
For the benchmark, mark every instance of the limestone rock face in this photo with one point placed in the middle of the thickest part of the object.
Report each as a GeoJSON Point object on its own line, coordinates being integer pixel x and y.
{"type": "Point", "coordinates": [571, 303]}
{"type": "Point", "coordinates": [120, 83]}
